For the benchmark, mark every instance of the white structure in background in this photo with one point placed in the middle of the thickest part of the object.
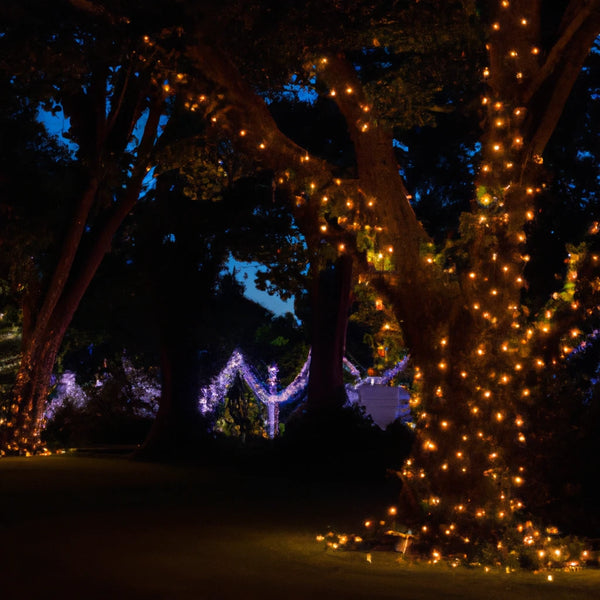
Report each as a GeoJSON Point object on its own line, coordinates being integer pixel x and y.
{"type": "Point", "coordinates": [382, 402]}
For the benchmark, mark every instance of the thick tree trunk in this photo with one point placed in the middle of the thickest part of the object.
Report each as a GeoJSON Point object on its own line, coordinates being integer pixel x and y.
{"type": "Point", "coordinates": [330, 301]}
{"type": "Point", "coordinates": [178, 429]}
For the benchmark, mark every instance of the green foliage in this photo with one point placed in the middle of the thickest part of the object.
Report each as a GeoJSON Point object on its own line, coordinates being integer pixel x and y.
{"type": "Point", "coordinates": [241, 414]}
{"type": "Point", "coordinates": [374, 337]}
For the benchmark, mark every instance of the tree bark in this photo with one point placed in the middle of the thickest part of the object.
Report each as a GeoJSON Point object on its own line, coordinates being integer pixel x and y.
{"type": "Point", "coordinates": [330, 302]}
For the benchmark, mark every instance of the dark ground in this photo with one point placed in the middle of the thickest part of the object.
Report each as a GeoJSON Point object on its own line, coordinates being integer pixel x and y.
{"type": "Point", "coordinates": [91, 528]}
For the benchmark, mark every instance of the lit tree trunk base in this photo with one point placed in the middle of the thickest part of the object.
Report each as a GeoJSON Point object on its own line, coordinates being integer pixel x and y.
{"type": "Point", "coordinates": [21, 435]}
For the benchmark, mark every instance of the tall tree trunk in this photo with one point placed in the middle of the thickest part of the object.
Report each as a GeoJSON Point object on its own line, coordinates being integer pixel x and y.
{"type": "Point", "coordinates": [177, 430]}
{"type": "Point", "coordinates": [330, 302]}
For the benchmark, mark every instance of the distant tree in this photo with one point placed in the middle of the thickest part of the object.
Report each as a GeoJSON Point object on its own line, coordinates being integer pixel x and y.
{"type": "Point", "coordinates": [208, 205]}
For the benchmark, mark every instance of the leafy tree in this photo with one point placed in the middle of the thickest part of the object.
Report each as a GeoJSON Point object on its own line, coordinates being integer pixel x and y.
{"type": "Point", "coordinates": [477, 347]}
{"type": "Point", "coordinates": [97, 64]}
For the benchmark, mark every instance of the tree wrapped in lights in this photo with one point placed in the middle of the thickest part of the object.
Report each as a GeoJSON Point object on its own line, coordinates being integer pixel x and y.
{"type": "Point", "coordinates": [478, 350]}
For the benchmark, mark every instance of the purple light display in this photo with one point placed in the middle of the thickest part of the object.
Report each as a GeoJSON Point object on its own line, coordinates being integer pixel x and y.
{"type": "Point", "coordinates": [216, 391]}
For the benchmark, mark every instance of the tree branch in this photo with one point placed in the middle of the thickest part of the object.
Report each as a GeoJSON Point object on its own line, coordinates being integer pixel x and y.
{"type": "Point", "coordinates": [557, 53]}
{"type": "Point", "coordinates": [78, 285]}
{"type": "Point", "coordinates": [255, 126]}
{"type": "Point", "coordinates": [571, 61]}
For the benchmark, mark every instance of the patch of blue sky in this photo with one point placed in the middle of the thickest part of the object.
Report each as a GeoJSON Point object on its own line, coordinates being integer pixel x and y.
{"type": "Point", "coordinates": [299, 91]}
{"type": "Point", "coordinates": [585, 155]}
{"type": "Point", "coordinates": [58, 126]}
{"type": "Point", "coordinates": [245, 273]}
{"type": "Point", "coordinates": [398, 144]}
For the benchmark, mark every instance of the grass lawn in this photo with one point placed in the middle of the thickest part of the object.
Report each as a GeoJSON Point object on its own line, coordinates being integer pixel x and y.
{"type": "Point", "coordinates": [86, 528]}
